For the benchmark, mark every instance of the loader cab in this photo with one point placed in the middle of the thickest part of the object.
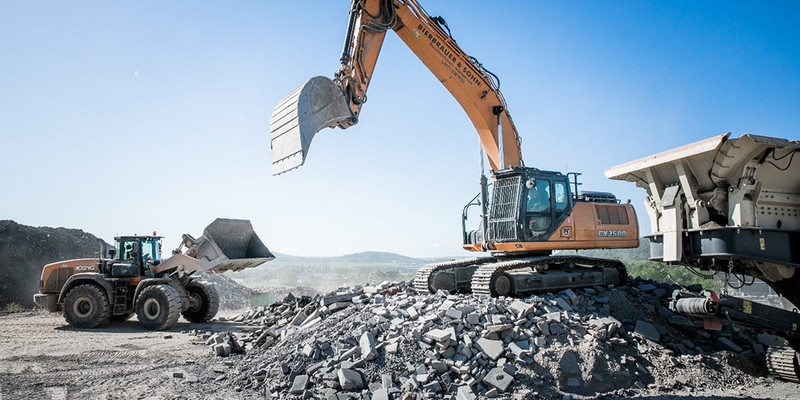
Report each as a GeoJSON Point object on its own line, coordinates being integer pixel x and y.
{"type": "Point", "coordinates": [138, 251]}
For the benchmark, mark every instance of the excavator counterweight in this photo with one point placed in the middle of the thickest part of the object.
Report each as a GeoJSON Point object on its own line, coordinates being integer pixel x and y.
{"type": "Point", "coordinates": [317, 104]}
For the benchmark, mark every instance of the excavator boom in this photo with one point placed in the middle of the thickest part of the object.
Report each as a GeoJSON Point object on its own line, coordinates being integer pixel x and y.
{"type": "Point", "coordinates": [324, 103]}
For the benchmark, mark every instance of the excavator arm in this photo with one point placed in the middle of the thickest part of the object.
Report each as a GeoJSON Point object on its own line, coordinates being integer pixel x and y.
{"type": "Point", "coordinates": [325, 103]}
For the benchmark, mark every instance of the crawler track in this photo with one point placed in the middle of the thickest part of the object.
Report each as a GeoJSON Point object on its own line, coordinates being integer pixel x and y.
{"type": "Point", "coordinates": [782, 361]}
{"type": "Point", "coordinates": [484, 278]}
{"type": "Point", "coordinates": [491, 267]}
{"type": "Point", "coordinates": [422, 278]}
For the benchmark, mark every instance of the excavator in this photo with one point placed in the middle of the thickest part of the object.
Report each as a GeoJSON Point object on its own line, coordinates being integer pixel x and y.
{"type": "Point", "coordinates": [530, 214]}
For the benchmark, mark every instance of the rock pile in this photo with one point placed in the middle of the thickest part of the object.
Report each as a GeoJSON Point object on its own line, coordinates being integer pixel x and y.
{"type": "Point", "coordinates": [386, 341]}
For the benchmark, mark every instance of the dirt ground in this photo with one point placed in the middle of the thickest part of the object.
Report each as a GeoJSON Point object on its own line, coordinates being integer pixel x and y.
{"type": "Point", "coordinates": [42, 358]}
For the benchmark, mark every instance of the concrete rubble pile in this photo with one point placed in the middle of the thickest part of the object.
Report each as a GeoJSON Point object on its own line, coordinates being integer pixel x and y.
{"type": "Point", "coordinates": [386, 341]}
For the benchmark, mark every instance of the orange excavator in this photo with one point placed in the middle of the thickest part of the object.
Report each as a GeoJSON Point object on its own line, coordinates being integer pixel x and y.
{"type": "Point", "coordinates": [530, 214]}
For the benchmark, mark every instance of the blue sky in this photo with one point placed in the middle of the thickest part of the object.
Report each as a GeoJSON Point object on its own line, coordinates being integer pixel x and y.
{"type": "Point", "coordinates": [128, 117]}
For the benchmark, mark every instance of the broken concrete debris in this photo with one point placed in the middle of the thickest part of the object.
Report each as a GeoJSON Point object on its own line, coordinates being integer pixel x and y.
{"type": "Point", "coordinates": [386, 341]}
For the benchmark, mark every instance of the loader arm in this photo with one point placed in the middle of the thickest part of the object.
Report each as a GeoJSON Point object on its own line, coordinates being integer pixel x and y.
{"type": "Point", "coordinates": [322, 102]}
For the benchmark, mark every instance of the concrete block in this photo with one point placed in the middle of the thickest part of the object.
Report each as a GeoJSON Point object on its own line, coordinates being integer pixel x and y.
{"type": "Point", "coordinates": [556, 329]}
{"type": "Point", "coordinates": [544, 327]}
{"type": "Point", "coordinates": [726, 344]}
{"type": "Point", "coordinates": [447, 304]}
{"type": "Point", "coordinates": [497, 328]}
{"type": "Point", "coordinates": [520, 348]}
{"type": "Point", "coordinates": [492, 348]}
{"type": "Point", "coordinates": [499, 379]}
{"type": "Point", "coordinates": [647, 330]}
{"type": "Point", "coordinates": [562, 304]}
{"type": "Point", "coordinates": [520, 308]}
{"type": "Point", "coordinates": [367, 344]}
{"type": "Point", "coordinates": [572, 297]}
{"type": "Point", "coordinates": [299, 384]}
{"type": "Point", "coordinates": [438, 335]}
{"type": "Point", "coordinates": [465, 393]}
{"type": "Point", "coordinates": [391, 348]}
{"type": "Point", "coordinates": [381, 394]}
{"type": "Point", "coordinates": [387, 381]}
{"type": "Point", "coordinates": [553, 316]}
{"type": "Point", "coordinates": [308, 350]}
{"type": "Point", "coordinates": [453, 313]}
{"type": "Point", "coordinates": [434, 387]}
{"type": "Point", "coordinates": [299, 318]}
{"type": "Point", "coordinates": [569, 364]}
{"type": "Point", "coordinates": [349, 379]}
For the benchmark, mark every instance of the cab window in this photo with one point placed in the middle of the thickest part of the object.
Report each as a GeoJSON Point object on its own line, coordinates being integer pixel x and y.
{"type": "Point", "coordinates": [539, 198]}
{"type": "Point", "coordinates": [126, 250]}
{"type": "Point", "coordinates": [151, 249]}
{"type": "Point", "coordinates": [562, 197]}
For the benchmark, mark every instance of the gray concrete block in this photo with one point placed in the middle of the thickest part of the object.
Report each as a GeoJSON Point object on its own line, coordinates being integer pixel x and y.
{"type": "Point", "coordinates": [727, 344]}
{"type": "Point", "coordinates": [438, 335]}
{"type": "Point", "coordinates": [647, 330]}
{"type": "Point", "coordinates": [492, 348]}
{"type": "Point", "coordinates": [381, 394]}
{"type": "Point", "coordinates": [465, 393]}
{"type": "Point", "coordinates": [453, 313]}
{"type": "Point", "coordinates": [299, 384]}
{"type": "Point", "coordinates": [569, 364]}
{"type": "Point", "coordinates": [349, 379]}
{"type": "Point", "coordinates": [498, 378]}
{"type": "Point", "coordinates": [497, 328]}
{"type": "Point", "coordinates": [562, 304]}
{"type": "Point", "coordinates": [519, 348]}
{"type": "Point", "coordinates": [572, 297]}
{"type": "Point", "coordinates": [367, 344]}
{"type": "Point", "coordinates": [387, 381]}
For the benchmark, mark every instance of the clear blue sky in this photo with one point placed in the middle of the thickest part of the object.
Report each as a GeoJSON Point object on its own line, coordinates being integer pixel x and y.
{"type": "Point", "coordinates": [128, 117]}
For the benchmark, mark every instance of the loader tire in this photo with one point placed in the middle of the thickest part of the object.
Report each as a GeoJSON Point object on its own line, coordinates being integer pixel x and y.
{"type": "Point", "coordinates": [86, 306]}
{"type": "Point", "coordinates": [158, 307]}
{"type": "Point", "coordinates": [203, 302]}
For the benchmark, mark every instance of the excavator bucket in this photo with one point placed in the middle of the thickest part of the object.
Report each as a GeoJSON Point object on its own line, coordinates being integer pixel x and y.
{"type": "Point", "coordinates": [319, 103]}
{"type": "Point", "coordinates": [230, 244]}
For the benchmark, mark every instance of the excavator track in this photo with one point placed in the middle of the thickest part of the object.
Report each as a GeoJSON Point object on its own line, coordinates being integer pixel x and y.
{"type": "Point", "coordinates": [422, 279]}
{"type": "Point", "coordinates": [784, 362]}
{"type": "Point", "coordinates": [490, 279]}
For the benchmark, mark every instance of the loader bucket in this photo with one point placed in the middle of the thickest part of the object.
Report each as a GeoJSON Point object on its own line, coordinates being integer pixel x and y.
{"type": "Point", "coordinates": [230, 244]}
{"type": "Point", "coordinates": [319, 103]}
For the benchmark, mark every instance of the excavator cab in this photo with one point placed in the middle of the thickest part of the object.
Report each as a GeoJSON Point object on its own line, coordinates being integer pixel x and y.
{"type": "Point", "coordinates": [527, 205]}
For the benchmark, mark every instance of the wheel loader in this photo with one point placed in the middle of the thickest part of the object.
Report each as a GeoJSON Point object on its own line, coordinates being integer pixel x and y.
{"type": "Point", "coordinates": [730, 206]}
{"type": "Point", "coordinates": [133, 278]}
{"type": "Point", "coordinates": [530, 214]}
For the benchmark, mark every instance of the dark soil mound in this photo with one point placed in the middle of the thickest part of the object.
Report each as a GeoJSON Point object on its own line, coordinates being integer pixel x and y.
{"type": "Point", "coordinates": [24, 250]}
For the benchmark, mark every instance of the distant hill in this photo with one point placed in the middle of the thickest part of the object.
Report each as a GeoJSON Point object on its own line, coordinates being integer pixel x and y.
{"type": "Point", "coordinates": [352, 260]}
